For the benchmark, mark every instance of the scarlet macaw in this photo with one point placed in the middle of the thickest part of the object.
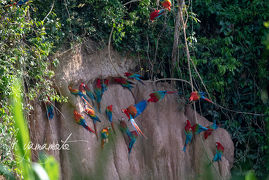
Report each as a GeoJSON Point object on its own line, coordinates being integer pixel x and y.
{"type": "Point", "coordinates": [79, 93]}
{"type": "Point", "coordinates": [166, 4]}
{"type": "Point", "coordinates": [156, 14]}
{"type": "Point", "coordinates": [81, 121]}
{"type": "Point", "coordinates": [98, 93]}
{"type": "Point", "coordinates": [89, 93]}
{"type": "Point", "coordinates": [109, 116]}
{"type": "Point", "coordinates": [219, 152]}
{"type": "Point", "coordinates": [188, 133]}
{"type": "Point", "coordinates": [197, 129]}
{"type": "Point", "coordinates": [195, 96]}
{"type": "Point", "coordinates": [91, 113]}
{"type": "Point", "coordinates": [158, 95]}
{"type": "Point", "coordinates": [135, 110]}
{"type": "Point", "coordinates": [124, 83]}
{"type": "Point", "coordinates": [104, 136]}
{"type": "Point", "coordinates": [212, 127]}
{"type": "Point", "coordinates": [49, 108]}
{"type": "Point", "coordinates": [133, 76]}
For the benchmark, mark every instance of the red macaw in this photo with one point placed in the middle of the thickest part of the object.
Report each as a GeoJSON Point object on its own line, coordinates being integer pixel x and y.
{"type": "Point", "coordinates": [188, 133]}
{"type": "Point", "coordinates": [197, 129]}
{"type": "Point", "coordinates": [81, 121]}
{"type": "Point", "coordinates": [109, 115]}
{"type": "Point", "coordinates": [195, 96]}
{"type": "Point", "coordinates": [104, 136]}
{"type": "Point", "coordinates": [219, 152]}
{"type": "Point", "coordinates": [49, 108]}
{"type": "Point", "coordinates": [166, 4]}
{"type": "Point", "coordinates": [156, 14]}
{"type": "Point", "coordinates": [91, 113]}
{"type": "Point", "coordinates": [80, 94]}
{"type": "Point", "coordinates": [134, 76]}
{"type": "Point", "coordinates": [211, 128]}
{"type": "Point", "coordinates": [98, 93]}
{"type": "Point", "coordinates": [158, 95]}
{"type": "Point", "coordinates": [124, 83]}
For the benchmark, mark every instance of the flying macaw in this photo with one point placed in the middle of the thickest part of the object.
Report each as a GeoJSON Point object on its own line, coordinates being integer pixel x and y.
{"type": "Point", "coordinates": [91, 113]}
{"type": "Point", "coordinates": [219, 152]}
{"type": "Point", "coordinates": [135, 110]}
{"type": "Point", "coordinates": [156, 14]}
{"type": "Point", "coordinates": [104, 136]}
{"type": "Point", "coordinates": [80, 120]}
{"type": "Point", "coordinates": [188, 133]}
{"type": "Point", "coordinates": [211, 128]}
{"type": "Point", "coordinates": [124, 83]}
{"type": "Point", "coordinates": [195, 96]}
{"type": "Point", "coordinates": [98, 93]}
{"type": "Point", "coordinates": [49, 108]}
{"type": "Point", "coordinates": [166, 4]}
{"type": "Point", "coordinates": [158, 95]}
{"type": "Point", "coordinates": [104, 85]}
{"type": "Point", "coordinates": [79, 93]}
{"type": "Point", "coordinates": [109, 116]}
{"type": "Point", "coordinates": [134, 76]}
{"type": "Point", "coordinates": [197, 129]}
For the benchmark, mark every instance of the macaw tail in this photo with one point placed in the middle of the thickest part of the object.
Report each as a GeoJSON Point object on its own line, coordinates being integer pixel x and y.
{"type": "Point", "coordinates": [112, 125]}
{"type": "Point", "coordinates": [184, 148]}
{"type": "Point", "coordinates": [208, 100]}
{"type": "Point", "coordinates": [131, 144]}
{"type": "Point", "coordinates": [88, 128]}
{"type": "Point", "coordinates": [99, 107]}
{"type": "Point", "coordinates": [86, 102]}
{"type": "Point", "coordinates": [95, 130]}
{"type": "Point", "coordinates": [139, 80]}
{"type": "Point", "coordinates": [171, 92]}
{"type": "Point", "coordinates": [138, 130]}
{"type": "Point", "coordinates": [102, 143]}
{"type": "Point", "coordinates": [50, 112]}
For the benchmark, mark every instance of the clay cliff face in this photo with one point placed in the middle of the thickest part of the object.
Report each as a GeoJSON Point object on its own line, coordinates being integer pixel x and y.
{"type": "Point", "coordinates": [158, 156]}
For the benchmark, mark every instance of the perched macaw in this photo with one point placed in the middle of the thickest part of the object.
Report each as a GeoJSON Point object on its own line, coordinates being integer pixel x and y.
{"type": "Point", "coordinates": [219, 152]}
{"type": "Point", "coordinates": [80, 120]}
{"type": "Point", "coordinates": [135, 110]}
{"type": "Point", "coordinates": [156, 14]}
{"type": "Point", "coordinates": [19, 3]}
{"type": "Point", "coordinates": [158, 95]}
{"type": "Point", "coordinates": [133, 76]}
{"type": "Point", "coordinates": [109, 116]}
{"type": "Point", "coordinates": [132, 138]}
{"type": "Point", "coordinates": [166, 4]}
{"type": "Point", "coordinates": [79, 93]}
{"type": "Point", "coordinates": [89, 93]}
{"type": "Point", "coordinates": [124, 83]}
{"type": "Point", "coordinates": [98, 93]}
{"type": "Point", "coordinates": [195, 96]}
{"type": "Point", "coordinates": [91, 113]}
{"type": "Point", "coordinates": [104, 136]}
{"type": "Point", "coordinates": [188, 133]}
{"type": "Point", "coordinates": [132, 135]}
{"type": "Point", "coordinates": [83, 92]}
{"type": "Point", "coordinates": [104, 85]}
{"type": "Point", "coordinates": [197, 129]}
{"type": "Point", "coordinates": [49, 107]}
{"type": "Point", "coordinates": [211, 128]}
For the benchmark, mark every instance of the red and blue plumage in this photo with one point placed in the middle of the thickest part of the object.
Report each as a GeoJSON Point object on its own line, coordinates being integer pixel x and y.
{"type": "Point", "coordinates": [109, 115]}
{"type": "Point", "coordinates": [81, 121]}
{"type": "Point", "coordinates": [158, 95]}
{"type": "Point", "coordinates": [136, 109]}
{"type": "Point", "coordinates": [79, 93]}
{"type": "Point", "coordinates": [134, 76]}
{"type": "Point", "coordinates": [89, 93]}
{"type": "Point", "coordinates": [219, 152]}
{"type": "Point", "coordinates": [104, 85]}
{"type": "Point", "coordinates": [124, 83]}
{"type": "Point", "coordinates": [98, 93]}
{"type": "Point", "coordinates": [197, 129]}
{"type": "Point", "coordinates": [49, 108]}
{"type": "Point", "coordinates": [188, 133]}
{"type": "Point", "coordinates": [104, 136]}
{"type": "Point", "coordinates": [156, 14]}
{"type": "Point", "coordinates": [132, 135]}
{"type": "Point", "coordinates": [195, 96]}
{"type": "Point", "coordinates": [211, 128]}
{"type": "Point", "coordinates": [94, 117]}
{"type": "Point", "coordinates": [166, 4]}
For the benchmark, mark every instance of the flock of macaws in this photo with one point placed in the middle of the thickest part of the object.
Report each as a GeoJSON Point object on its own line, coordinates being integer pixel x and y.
{"type": "Point", "coordinates": [131, 111]}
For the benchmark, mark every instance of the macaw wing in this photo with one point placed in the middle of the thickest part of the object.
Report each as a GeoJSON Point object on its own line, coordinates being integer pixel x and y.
{"type": "Point", "coordinates": [140, 107]}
